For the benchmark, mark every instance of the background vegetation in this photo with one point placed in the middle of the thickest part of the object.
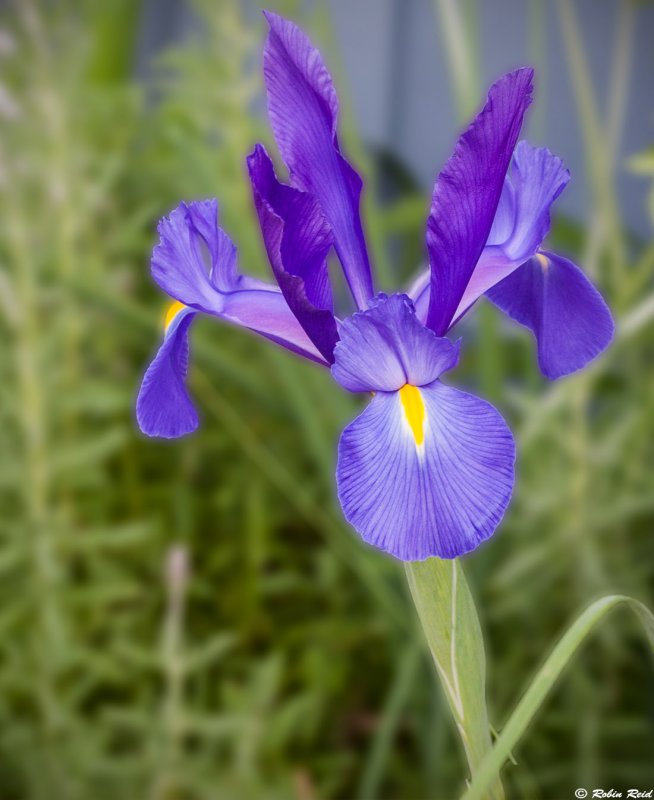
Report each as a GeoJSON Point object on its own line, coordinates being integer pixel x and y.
{"type": "Point", "coordinates": [194, 620]}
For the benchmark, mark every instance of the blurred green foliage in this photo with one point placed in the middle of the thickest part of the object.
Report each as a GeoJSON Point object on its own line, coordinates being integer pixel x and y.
{"type": "Point", "coordinates": [194, 620]}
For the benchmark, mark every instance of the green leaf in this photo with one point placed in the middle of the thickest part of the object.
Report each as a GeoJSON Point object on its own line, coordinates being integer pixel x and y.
{"type": "Point", "coordinates": [451, 625]}
{"type": "Point", "coordinates": [545, 679]}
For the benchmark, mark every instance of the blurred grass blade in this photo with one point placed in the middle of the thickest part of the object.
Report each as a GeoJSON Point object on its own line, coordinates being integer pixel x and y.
{"type": "Point", "coordinates": [451, 625]}
{"type": "Point", "coordinates": [600, 136]}
{"type": "Point", "coordinates": [460, 51]}
{"type": "Point", "coordinates": [545, 679]}
{"type": "Point", "coordinates": [379, 752]}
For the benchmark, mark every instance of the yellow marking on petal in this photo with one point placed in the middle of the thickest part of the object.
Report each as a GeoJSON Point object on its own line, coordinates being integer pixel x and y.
{"type": "Point", "coordinates": [414, 411]}
{"type": "Point", "coordinates": [543, 261]}
{"type": "Point", "coordinates": [171, 312]}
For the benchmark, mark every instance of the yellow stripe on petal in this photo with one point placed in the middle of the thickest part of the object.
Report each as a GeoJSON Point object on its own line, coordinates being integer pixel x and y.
{"type": "Point", "coordinates": [414, 411]}
{"type": "Point", "coordinates": [543, 261]}
{"type": "Point", "coordinates": [171, 312]}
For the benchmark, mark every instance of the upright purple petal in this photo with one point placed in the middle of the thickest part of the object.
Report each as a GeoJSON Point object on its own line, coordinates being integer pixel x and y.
{"type": "Point", "coordinates": [467, 193]}
{"type": "Point", "coordinates": [297, 239]}
{"type": "Point", "coordinates": [163, 406]}
{"type": "Point", "coordinates": [439, 496]}
{"type": "Point", "coordinates": [386, 347]}
{"type": "Point", "coordinates": [556, 301]}
{"type": "Point", "coordinates": [303, 111]}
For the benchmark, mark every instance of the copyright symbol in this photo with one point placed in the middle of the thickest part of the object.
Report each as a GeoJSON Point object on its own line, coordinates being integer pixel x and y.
{"type": "Point", "coordinates": [581, 793]}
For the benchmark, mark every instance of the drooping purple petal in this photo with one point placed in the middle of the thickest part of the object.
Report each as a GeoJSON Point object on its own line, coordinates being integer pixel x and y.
{"type": "Point", "coordinates": [303, 111]}
{"type": "Point", "coordinates": [385, 347]}
{"type": "Point", "coordinates": [467, 193]}
{"type": "Point", "coordinates": [554, 299]}
{"type": "Point", "coordinates": [195, 263]}
{"type": "Point", "coordinates": [440, 498]}
{"type": "Point", "coordinates": [297, 239]}
{"type": "Point", "coordinates": [163, 406]}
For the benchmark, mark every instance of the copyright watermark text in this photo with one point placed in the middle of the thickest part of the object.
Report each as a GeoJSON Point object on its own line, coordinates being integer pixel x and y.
{"type": "Point", "coordinates": [582, 793]}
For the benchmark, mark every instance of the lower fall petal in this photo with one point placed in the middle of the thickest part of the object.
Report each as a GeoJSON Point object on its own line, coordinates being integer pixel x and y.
{"type": "Point", "coordinates": [554, 299]}
{"type": "Point", "coordinates": [163, 406]}
{"type": "Point", "coordinates": [426, 476]}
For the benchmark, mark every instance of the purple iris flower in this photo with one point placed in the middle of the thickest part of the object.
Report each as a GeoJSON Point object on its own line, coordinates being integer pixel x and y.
{"type": "Point", "coordinates": [425, 470]}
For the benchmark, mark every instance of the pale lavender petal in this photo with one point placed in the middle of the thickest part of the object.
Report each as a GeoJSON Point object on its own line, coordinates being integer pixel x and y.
{"type": "Point", "coordinates": [303, 111]}
{"type": "Point", "coordinates": [440, 498]}
{"type": "Point", "coordinates": [385, 347]}
{"type": "Point", "coordinates": [267, 313]}
{"type": "Point", "coordinates": [195, 261]}
{"type": "Point", "coordinates": [504, 220]}
{"type": "Point", "coordinates": [163, 406]}
{"type": "Point", "coordinates": [554, 299]}
{"type": "Point", "coordinates": [467, 193]}
{"type": "Point", "coordinates": [189, 244]}
{"type": "Point", "coordinates": [536, 179]}
{"type": "Point", "coordinates": [297, 239]}
{"type": "Point", "coordinates": [493, 266]}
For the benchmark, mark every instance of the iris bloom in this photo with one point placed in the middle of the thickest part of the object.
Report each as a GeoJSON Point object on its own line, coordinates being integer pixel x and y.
{"type": "Point", "coordinates": [426, 469]}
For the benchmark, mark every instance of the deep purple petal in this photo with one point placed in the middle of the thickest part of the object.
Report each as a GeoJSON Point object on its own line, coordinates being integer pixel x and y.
{"type": "Point", "coordinates": [442, 497]}
{"type": "Point", "coordinates": [163, 406]}
{"type": "Point", "coordinates": [303, 111]}
{"type": "Point", "coordinates": [297, 239]}
{"type": "Point", "coordinates": [386, 347]}
{"type": "Point", "coordinates": [554, 299]}
{"type": "Point", "coordinates": [467, 193]}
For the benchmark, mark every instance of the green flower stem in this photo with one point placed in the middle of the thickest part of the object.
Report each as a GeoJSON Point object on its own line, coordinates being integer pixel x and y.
{"type": "Point", "coordinates": [449, 619]}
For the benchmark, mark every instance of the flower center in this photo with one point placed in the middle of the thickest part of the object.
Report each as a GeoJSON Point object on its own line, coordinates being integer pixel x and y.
{"type": "Point", "coordinates": [414, 411]}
